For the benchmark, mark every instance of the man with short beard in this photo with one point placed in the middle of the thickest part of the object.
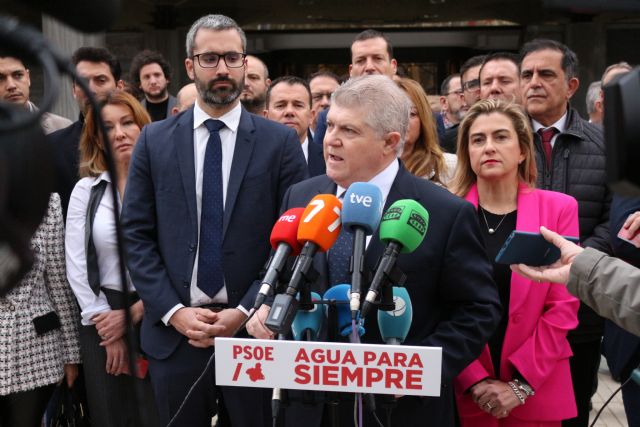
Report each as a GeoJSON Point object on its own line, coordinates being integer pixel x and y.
{"type": "Point", "coordinates": [151, 74]}
{"type": "Point", "coordinates": [256, 83]}
{"type": "Point", "coordinates": [204, 190]}
{"type": "Point", "coordinates": [101, 70]}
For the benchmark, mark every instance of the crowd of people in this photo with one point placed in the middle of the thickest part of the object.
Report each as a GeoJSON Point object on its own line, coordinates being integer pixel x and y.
{"type": "Point", "coordinates": [201, 178]}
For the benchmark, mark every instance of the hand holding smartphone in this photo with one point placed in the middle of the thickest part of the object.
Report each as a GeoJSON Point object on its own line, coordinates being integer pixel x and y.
{"type": "Point", "coordinates": [625, 234]}
{"type": "Point", "coordinates": [522, 247]}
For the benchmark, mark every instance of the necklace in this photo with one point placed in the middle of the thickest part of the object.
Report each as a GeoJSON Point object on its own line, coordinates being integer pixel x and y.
{"type": "Point", "coordinates": [489, 229]}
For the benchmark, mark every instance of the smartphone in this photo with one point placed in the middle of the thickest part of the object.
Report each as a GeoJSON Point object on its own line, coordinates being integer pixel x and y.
{"type": "Point", "coordinates": [522, 247]}
{"type": "Point", "coordinates": [624, 234]}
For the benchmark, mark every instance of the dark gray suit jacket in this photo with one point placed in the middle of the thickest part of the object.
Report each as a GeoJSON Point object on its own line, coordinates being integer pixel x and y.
{"type": "Point", "coordinates": [455, 301]}
{"type": "Point", "coordinates": [159, 215]}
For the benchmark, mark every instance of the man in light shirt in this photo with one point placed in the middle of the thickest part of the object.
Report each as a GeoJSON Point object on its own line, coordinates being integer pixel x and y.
{"type": "Point", "coordinates": [203, 193]}
{"type": "Point", "coordinates": [455, 300]}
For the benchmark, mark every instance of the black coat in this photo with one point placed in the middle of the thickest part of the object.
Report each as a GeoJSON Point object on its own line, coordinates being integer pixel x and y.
{"type": "Point", "coordinates": [578, 168]}
{"type": "Point", "coordinates": [65, 145]}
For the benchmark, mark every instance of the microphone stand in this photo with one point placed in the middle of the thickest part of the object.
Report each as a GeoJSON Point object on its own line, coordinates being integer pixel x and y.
{"type": "Point", "coordinates": [332, 397]}
{"type": "Point", "coordinates": [278, 396]}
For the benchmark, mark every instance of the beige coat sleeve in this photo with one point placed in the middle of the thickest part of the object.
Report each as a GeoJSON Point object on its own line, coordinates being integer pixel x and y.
{"type": "Point", "coordinates": [608, 285]}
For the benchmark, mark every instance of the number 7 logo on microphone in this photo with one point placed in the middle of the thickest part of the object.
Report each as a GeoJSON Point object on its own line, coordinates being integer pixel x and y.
{"type": "Point", "coordinates": [321, 221]}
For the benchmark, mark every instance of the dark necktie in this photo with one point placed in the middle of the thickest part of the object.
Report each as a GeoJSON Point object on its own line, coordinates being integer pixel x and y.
{"type": "Point", "coordinates": [547, 135]}
{"type": "Point", "coordinates": [339, 258]}
{"type": "Point", "coordinates": [210, 276]}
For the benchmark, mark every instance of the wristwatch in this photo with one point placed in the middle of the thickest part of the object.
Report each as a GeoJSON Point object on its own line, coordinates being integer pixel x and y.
{"type": "Point", "coordinates": [524, 387]}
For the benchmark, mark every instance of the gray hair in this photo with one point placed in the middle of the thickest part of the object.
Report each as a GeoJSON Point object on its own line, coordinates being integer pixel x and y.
{"type": "Point", "coordinates": [386, 106]}
{"type": "Point", "coordinates": [593, 95]}
{"type": "Point", "coordinates": [617, 66]}
{"type": "Point", "coordinates": [214, 23]}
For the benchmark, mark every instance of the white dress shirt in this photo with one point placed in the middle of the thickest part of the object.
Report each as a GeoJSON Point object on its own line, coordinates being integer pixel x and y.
{"type": "Point", "coordinates": [228, 135]}
{"type": "Point", "coordinates": [105, 241]}
{"type": "Point", "coordinates": [305, 149]}
{"type": "Point", "coordinates": [560, 125]}
{"type": "Point", "coordinates": [384, 181]}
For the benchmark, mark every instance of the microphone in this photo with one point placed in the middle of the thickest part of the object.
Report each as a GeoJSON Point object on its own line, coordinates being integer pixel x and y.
{"type": "Point", "coordinates": [318, 229]}
{"type": "Point", "coordinates": [284, 240]}
{"type": "Point", "coordinates": [361, 211]}
{"type": "Point", "coordinates": [307, 323]}
{"type": "Point", "coordinates": [403, 228]}
{"type": "Point", "coordinates": [339, 294]}
{"type": "Point", "coordinates": [394, 324]}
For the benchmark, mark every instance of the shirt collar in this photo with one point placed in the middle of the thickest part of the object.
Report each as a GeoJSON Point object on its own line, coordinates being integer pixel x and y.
{"type": "Point", "coordinates": [231, 119]}
{"type": "Point", "coordinates": [560, 125]}
{"type": "Point", "coordinates": [104, 176]}
{"type": "Point", "coordinates": [384, 180]}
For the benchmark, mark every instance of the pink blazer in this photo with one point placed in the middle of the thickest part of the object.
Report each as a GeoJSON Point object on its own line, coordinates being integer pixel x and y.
{"type": "Point", "coordinates": [540, 316]}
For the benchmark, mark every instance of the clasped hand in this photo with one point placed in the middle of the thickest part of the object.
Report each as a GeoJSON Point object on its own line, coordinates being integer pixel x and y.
{"type": "Point", "coordinates": [201, 325]}
{"type": "Point", "coordinates": [494, 397]}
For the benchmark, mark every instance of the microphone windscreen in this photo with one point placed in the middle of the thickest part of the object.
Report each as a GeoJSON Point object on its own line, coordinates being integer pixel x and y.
{"type": "Point", "coordinates": [362, 207]}
{"type": "Point", "coordinates": [285, 230]}
{"type": "Point", "coordinates": [406, 222]}
{"type": "Point", "coordinates": [310, 320]}
{"type": "Point", "coordinates": [341, 294]}
{"type": "Point", "coordinates": [321, 221]}
{"type": "Point", "coordinates": [395, 324]}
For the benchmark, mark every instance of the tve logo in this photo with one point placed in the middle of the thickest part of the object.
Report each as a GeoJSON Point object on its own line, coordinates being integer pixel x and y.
{"type": "Point", "coordinates": [361, 200]}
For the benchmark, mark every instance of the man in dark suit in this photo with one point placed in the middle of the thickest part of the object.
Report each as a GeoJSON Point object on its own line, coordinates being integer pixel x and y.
{"type": "Point", "coordinates": [102, 71]}
{"type": "Point", "coordinates": [454, 298]}
{"type": "Point", "coordinates": [289, 102]}
{"type": "Point", "coordinates": [371, 53]}
{"type": "Point", "coordinates": [202, 195]}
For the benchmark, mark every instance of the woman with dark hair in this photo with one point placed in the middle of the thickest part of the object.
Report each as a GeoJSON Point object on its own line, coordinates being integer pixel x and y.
{"type": "Point", "coordinates": [522, 377]}
{"type": "Point", "coordinates": [422, 155]}
{"type": "Point", "coordinates": [38, 329]}
{"type": "Point", "coordinates": [93, 268]}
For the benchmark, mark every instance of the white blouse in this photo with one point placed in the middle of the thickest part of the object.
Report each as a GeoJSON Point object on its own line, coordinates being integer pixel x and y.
{"type": "Point", "coordinates": [104, 239]}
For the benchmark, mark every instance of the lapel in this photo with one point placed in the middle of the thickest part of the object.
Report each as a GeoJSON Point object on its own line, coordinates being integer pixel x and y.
{"type": "Point", "coordinates": [316, 163]}
{"type": "Point", "coordinates": [527, 219]}
{"type": "Point", "coordinates": [182, 136]}
{"type": "Point", "coordinates": [245, 142]}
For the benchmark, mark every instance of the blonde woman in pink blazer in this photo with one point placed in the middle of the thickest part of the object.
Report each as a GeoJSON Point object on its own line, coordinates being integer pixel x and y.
{"type": "Point", "coordinates": [522, 377]}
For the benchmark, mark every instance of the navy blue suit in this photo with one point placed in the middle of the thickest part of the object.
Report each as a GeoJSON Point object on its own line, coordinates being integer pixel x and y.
{"type": "Point", "coordinates": [621, 348]}
{"type": "Point", "coordinates": [160, 227]}
{"type": "Point", "coordinates": [455, 301]}
{"type": "Point", "coordinates": [321, 127]}
{"type": "Point", "coordinates": [315, 162]}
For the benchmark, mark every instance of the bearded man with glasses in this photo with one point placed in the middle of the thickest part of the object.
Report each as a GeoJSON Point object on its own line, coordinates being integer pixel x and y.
{"type": "Point", "coordinates": [204, 190]}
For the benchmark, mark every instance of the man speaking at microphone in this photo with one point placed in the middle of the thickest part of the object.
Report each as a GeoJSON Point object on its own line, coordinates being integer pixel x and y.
{"type": "Point", "coordinates": [456, 303]}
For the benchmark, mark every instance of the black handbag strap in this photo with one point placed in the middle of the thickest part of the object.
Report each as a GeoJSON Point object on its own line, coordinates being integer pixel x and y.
{"type": "Point", "coordinates": [93, 272]}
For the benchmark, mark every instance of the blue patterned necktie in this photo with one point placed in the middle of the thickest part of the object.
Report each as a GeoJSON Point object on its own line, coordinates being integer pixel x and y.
{"type": "Point", "coordinates": [340, 257]}
{"type": "Point", "coordinates": [210, 276]}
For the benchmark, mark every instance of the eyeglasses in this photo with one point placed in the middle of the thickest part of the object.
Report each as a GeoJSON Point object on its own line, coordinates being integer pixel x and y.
{"type": "Point", "coordinates": [471, 85]}
{"type": "Point", "coordinates": [211, 60]}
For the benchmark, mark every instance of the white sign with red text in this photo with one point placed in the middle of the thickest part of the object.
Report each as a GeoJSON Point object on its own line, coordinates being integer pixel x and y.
{"type": "Point", "coordinates": [358, 368]}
